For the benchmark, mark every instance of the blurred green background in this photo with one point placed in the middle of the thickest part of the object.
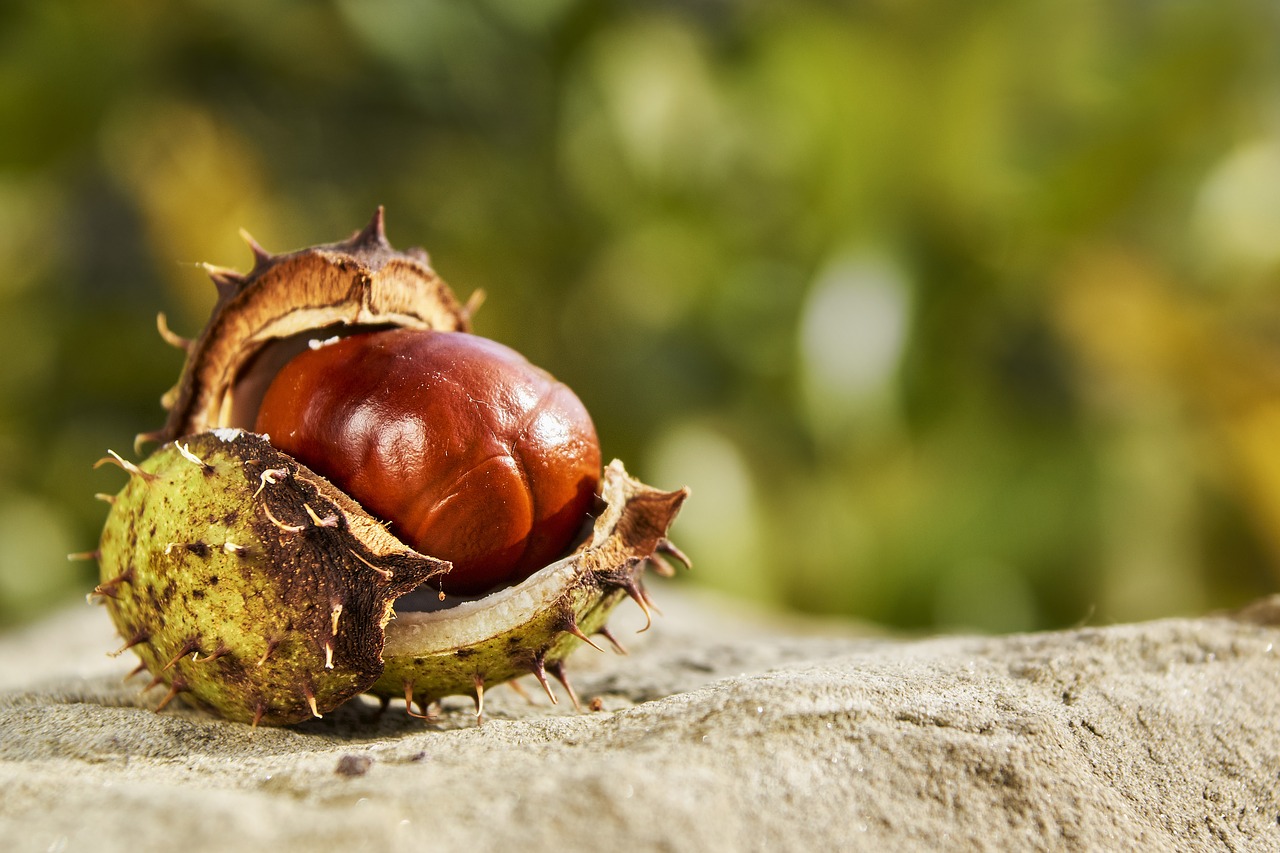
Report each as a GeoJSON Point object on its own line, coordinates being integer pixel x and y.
{"type": "Point", "coordinates": [954, 316]}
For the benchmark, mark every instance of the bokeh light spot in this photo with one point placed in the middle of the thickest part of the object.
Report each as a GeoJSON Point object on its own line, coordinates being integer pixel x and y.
{"type": "Point", "coordinates": [852, 333]}
{"type": "Point", "coordinates": [720, 529]}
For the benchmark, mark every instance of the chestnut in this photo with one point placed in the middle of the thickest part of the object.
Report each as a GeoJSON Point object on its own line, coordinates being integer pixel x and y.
{"type": "Point", "coordinates": [273, 580]}
{"type": "Point", "coordinates": [472, 454]}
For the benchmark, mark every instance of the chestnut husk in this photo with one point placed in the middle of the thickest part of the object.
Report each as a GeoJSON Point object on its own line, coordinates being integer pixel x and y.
{"type": "Point", "coordinates": [250, 585]}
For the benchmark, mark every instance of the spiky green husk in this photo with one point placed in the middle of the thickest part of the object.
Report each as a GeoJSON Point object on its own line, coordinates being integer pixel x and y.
{"type": "Point", "coordinates": [248, 582]}
{"type": "Point", "coordinates": [252, 586]}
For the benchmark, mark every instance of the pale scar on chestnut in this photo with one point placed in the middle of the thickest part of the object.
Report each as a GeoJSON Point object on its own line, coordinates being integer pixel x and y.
{"type": "Point", "coordinates": [353, 495]}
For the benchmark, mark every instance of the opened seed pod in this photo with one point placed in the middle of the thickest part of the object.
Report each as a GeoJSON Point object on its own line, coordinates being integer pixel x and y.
{"type": "Point", "coordinates": [353, 494]}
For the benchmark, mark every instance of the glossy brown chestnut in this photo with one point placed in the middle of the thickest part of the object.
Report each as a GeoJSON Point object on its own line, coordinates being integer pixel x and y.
{"type": "Point", "coordinates": [473, 454]}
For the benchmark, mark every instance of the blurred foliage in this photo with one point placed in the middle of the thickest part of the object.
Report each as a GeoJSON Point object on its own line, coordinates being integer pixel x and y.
{"type": "Point", "coordinates": [953, 316]}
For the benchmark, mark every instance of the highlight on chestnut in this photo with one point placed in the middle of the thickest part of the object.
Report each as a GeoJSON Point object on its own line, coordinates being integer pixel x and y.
{"type": "Point", "coordinates": [353, 494]}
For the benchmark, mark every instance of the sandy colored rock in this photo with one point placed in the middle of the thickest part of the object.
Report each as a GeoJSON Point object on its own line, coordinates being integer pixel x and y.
{"type": "Point", "coordinates": [719, 732]}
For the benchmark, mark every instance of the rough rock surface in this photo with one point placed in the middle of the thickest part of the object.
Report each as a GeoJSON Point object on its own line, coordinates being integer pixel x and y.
{"type": "Point", "coordinates": [717, 733]}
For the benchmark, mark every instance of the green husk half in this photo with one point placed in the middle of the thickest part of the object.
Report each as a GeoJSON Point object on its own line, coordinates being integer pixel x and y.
{"type": "Point", "coordinates": [252, 586]}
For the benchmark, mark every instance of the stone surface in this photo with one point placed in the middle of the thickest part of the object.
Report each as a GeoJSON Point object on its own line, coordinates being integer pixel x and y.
{"type": "Point", "coordinates": [718, 732]}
